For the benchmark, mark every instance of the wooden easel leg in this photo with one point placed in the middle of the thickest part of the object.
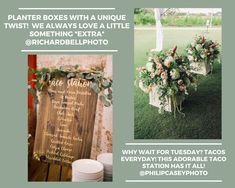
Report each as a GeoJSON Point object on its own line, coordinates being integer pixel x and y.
{"type": "Point", "coordinates": [47, 174]}
{"type": "Point", "coordinates": [60, 177]}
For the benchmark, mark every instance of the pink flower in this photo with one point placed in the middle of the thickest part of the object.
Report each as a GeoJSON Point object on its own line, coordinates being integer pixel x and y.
{"type": "Point", "coordinates": [180, 82]}
{"type": "Point", "coordinates": [193, 44]}
{"type": "Point", "coordinates": [167, 63]}
{"type": "Point", "coordinates": [159, 65]}
{"type": "Point", "coordinates": [198, 46]}
{"type": "Point", "coordinates": [158, 71]}
{"type": "Point", "coordinates": [156, 60]}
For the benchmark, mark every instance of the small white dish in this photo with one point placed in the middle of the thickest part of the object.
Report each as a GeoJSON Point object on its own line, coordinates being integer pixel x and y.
{"type": "Point", "coordinates": [87, 166]}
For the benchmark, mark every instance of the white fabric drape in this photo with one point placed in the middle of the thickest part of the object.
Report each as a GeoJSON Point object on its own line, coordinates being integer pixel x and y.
{"type": "Point", "coordinates": [159, 30]}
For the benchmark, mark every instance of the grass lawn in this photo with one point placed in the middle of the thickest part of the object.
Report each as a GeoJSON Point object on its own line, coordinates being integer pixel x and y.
{"type": "Point", "coordinates": [202, 108]}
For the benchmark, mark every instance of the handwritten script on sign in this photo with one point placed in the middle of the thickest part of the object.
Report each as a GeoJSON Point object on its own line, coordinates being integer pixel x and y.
{"type": "Point", "coordinates": [65, 121]}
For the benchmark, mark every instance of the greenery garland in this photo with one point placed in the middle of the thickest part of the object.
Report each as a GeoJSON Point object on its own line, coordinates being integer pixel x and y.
{"type": "Point", "coordinates": [99, 84]}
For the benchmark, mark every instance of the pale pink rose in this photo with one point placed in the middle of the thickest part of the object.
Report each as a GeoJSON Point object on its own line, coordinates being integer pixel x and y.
{"type": "Point", "coordinates": [156, 60]}
{"type": "Point", "coordinates": [167, 63]}
{"type": "Point", "coordinates": [193, 44]}
{"type": "Point", "coordinates": [158, 71]}
{"type": "Point", "coordinates": [159, 65]}
{"type": "Point", "coordinates": [198, 46]}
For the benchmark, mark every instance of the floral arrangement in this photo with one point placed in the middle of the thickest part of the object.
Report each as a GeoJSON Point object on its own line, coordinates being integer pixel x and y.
{"type": "Point", "coordinates": [169, 74]}
{"type": "Point", "coordinates": [99, 84]}
{"type": "Point", "coordinates": [202, 50]}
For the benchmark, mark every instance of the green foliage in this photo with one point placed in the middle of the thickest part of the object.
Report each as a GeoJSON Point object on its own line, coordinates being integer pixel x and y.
{"type": "Point", "coordinates": [144, 19]}
{"type": "Point", "coordinates": [99, 84]}
{"type": "Point", "coordinates": [147, 18]}
{"type": "Point", "coordinates": [202, 108]}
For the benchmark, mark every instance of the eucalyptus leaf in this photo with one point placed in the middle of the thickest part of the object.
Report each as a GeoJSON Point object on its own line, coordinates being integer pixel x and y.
{"type": "Point", "coordinates": [94, 86]}
{"type": "Point", "coordinates": [105, 84]}
{"type": "Point", "coordinates": [80, 75]}
{"type": "Point", "coordinates": [43, 70]}
{"type": "Point", "coordinates": [33, 71]}
{"type": "Point", "coordinates": [106, 103]}
{"type": "Point", "coordinates": [109, 96]}
{"type": "Point", "coordinates": [89, 76]}
{"type": "Point", "coordinates": [71, 75]}
{"type": "Point", "coordinates": [102, 98]}
{"type": "Point", "coordinates": [38, 86]}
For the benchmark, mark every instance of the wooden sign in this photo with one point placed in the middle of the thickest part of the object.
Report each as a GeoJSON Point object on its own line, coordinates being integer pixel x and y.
{"type": "Point", "coordinates": [65, 122]}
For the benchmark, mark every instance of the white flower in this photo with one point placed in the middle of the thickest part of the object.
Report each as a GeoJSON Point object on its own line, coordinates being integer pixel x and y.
{"type": "Point", "coordinates": [164, 82]}
{"type": "Point", "coordinates": [211, 50]}
{"type": "Point", "coordinates": [149, 67]}
{"type": "Point", "coordinates": [142, 87]}
{"type": "Point", "coordinates": [190, 58]}
{"type": "Point", "coordinates": [150, 59]}
{"type": "Point", "coordinates": [190, 51]}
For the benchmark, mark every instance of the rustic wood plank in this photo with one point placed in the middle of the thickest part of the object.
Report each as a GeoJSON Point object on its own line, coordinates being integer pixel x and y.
{"type": "Point", "coordinates": [66, 173]}
{"type": "Point", "coordinates": [65, 123]}
{"type": "Point", "coordinates": [37, 170]}
{"type": "Point", "coordinates": [54, 173]}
